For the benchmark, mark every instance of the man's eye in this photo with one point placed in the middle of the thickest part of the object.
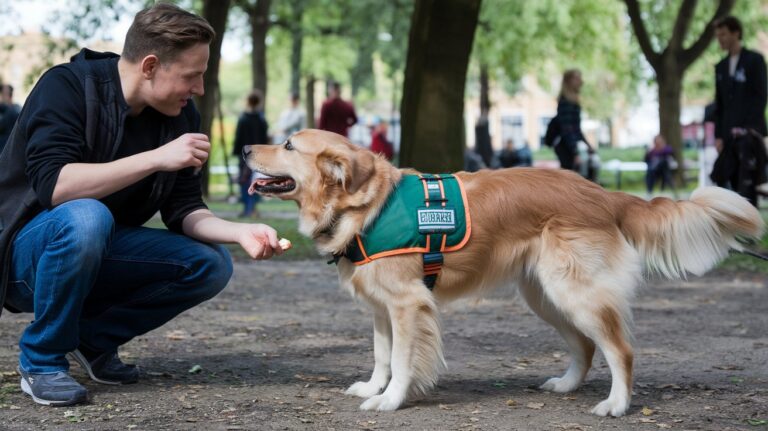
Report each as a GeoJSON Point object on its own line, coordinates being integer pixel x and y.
{"type": "Point", "coordinates": [288, 146]}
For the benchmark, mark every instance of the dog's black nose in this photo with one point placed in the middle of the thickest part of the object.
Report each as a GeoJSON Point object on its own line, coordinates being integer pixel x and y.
{"type": "Point", "coordinates": [246, 151]}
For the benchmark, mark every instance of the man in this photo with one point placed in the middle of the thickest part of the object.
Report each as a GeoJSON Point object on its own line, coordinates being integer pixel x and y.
{"type": "Point", "coordinates": [740, 100]}
{"type": "Point", "coordinates": [103, 143]}
{"type": "Point", "coordinates": [336, 115]}
{"type": "Point", "coordinates": [9, 112]}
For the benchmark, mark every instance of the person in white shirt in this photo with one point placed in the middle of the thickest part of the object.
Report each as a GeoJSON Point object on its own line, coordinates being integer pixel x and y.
{"type": "Point", "coordinates": [291, 120]}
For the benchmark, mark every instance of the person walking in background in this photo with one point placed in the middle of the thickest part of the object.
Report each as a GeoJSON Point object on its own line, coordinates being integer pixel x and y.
{"type": "Point", "coordinates": [740, 100]}
{"type": "Point", "coordinates": [569, 116]}
{"type": "Point", "coordinates": [251, 130]}
{"type": "Point", "coordinates": [9, 113]}
{"type": "Point", "coordinates": [336, 114]}
{"type": "Point", "coordinates": [291, 120]}
{"type": "Point", "coordinates": [103, 143]}
{"type": "Point", "coordinates": [657, 158]}
{"type": "Point", "coordinates": [379, 142]}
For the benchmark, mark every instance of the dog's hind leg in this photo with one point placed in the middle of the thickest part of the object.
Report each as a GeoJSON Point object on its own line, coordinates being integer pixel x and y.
{"type": "Point", "coordinates": [582, 349]}
{"type": "Point", "coordinates": [382, 352]}
{"type": "Point", "coordinates": [590, 277]}
{"type": "Point", "coordinates": [417, 350]}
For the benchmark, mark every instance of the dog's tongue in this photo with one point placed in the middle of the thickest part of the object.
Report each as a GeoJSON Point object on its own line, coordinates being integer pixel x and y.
{"type": "Point", "coordinates": [256, 177]}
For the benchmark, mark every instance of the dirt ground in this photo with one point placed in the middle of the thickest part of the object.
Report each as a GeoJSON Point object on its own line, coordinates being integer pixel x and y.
{"type": "Point", "coordinates": [277, 348]}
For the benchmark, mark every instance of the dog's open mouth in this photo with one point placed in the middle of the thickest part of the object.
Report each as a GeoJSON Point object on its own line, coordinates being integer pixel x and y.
{"type": "Point", "coordinates": [263, 183]}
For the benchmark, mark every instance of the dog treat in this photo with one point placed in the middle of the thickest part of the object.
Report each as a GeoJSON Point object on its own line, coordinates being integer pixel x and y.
{"type": "Point", "coordinates": [285, 244]}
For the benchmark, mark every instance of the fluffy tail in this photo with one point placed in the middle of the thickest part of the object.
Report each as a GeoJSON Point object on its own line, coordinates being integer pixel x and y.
{"type": "Point", "coordinates": [675, 238]}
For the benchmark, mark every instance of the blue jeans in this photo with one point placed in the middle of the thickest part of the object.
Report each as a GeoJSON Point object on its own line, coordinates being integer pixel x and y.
{"type": "Point", "coordinates": [94, 283]}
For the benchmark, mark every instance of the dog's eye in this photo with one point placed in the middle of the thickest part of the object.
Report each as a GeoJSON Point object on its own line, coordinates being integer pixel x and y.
{"type": "Point", "coordinates": [288, 146]}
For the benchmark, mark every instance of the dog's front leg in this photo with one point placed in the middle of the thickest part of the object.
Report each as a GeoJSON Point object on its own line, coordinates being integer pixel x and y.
{"type": "Point", "coordinates": [382, 352]}
{"type": "Point", "coordinates": [417, 353]}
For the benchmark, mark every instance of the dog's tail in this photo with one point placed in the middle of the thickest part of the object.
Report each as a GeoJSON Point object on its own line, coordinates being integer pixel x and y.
{"type": "Point", "coordinates": [675, 238]}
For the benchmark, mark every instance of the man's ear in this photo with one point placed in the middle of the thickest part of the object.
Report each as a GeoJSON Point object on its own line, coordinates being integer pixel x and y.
{"type": "Point", "coordinates": [149, 66]}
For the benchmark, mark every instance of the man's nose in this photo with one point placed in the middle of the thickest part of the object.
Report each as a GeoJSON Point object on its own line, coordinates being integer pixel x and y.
{"type": "Point", "coordinates": [246, 151]}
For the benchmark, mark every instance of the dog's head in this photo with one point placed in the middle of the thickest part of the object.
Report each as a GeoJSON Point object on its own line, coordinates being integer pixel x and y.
{"type": "Point", "coordinates": [327, 176]}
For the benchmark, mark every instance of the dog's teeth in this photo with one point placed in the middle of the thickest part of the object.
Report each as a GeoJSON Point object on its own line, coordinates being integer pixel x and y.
{"type": "Point", "coordinates": [260, 176]}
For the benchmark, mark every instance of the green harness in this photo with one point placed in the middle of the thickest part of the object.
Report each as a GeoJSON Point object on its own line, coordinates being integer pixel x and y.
{"type": "Point", "coordinates": [426, 214]}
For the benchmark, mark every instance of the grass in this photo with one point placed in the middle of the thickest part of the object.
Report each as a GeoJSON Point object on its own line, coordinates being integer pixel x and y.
{"type": "Point", "coordinates": [630, 181]}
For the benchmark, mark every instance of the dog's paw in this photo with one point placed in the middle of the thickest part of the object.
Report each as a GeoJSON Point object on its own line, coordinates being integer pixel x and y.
{"type": "Point", "coordinates": [559, 385]}
{"type": "Point", "coordinates": [611, 407]}
{"type": "Point", "coordinates": [364, 389]}
{"type": "Point", "coordinates": [382, 403]}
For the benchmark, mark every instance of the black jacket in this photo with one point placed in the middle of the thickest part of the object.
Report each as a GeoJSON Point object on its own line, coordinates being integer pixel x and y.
{"type": "Point", "coordinates": [102, 122]}
{"type": "Point", "coordinates": [740, 100]}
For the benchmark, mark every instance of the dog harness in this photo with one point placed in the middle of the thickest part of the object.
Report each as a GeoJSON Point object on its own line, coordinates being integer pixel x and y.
{"type": "Point", "coordinates": [426, 214]}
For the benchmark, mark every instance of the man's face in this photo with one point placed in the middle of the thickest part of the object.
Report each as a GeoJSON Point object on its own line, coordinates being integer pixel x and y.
{"type": "Point", "coordinates": [174, 83]}
{"type": "Point", "coordinates": [725, 38]}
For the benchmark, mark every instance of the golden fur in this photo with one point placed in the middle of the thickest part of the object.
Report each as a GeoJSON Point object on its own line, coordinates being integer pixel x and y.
{"type": "Point", "coordinates": [576, 252]}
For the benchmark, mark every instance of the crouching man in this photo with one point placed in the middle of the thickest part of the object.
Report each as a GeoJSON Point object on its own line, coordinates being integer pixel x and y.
{"type": "Point", "coordinates": [101, 145]}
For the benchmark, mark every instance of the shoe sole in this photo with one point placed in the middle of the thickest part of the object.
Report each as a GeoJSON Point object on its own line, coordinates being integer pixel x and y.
{"type": "Point", "coordinates": [85, 365]}
{"type": "Point", "coordinates": [28, 390]}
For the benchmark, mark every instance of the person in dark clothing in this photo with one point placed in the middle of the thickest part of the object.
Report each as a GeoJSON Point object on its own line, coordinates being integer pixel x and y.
{"type": "Point", "coordinates": [9, 112]}
{"type": "Point", "coordinates": [657, 159]}
{"type": "Point", "coordinates": [336, 114]}
{"type": "Point", "coordinates": [740, 101]}
{"type": "Point", "coordinates": [102, 144]}
{"type": "Point", "coordinates": [569, 116]}
{"type": "Point", "coordinates": [251, 130]}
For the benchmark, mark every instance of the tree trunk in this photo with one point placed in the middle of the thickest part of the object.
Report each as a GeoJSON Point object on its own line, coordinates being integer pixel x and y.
{"type": "Point", "coordinates": [670, 83]}
{"type": "Point", "coordinates": [432, 108]}
{"type": "Point", "coordinates": [297, 44]}
{"type": "Point", "coordinates": [310, 101]}
{"type": "Point", "coordinates": [258, 17]}
{"type": "Point", "coordinates": [485, 99]}
{"type": "Point", "coordinates": [215, 12]}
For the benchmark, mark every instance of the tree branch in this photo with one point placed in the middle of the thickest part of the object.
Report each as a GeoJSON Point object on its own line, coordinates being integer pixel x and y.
{"type": "Point", "coordinates": [690, 54]}
{"type": "Point", "coordinates": [633, 9]}
{"type": "Point", "coordinates": [682, 23]}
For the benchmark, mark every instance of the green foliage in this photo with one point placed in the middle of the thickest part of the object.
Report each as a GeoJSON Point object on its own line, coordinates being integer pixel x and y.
{"type": "Point", "coordinates": [546, 37]}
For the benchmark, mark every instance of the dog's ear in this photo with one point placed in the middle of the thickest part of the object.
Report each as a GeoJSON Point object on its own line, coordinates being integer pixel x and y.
{"type": "Point", "coordinates": [350, 170]}
{"type": "Point", "coordinates": [363, 168]}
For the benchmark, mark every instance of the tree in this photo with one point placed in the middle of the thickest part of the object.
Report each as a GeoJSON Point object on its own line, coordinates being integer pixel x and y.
{"type": "Point", "coordinates": [670, 59]}
{"type": "Point", "coordinates": [216, 13]}
{"type": "Point", "coordinates": [432, 108]}
{"type": "Point", "coordinates": [258, 19]}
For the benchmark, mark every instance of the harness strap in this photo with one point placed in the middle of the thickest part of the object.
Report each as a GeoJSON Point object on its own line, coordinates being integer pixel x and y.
{"type": "Point", "coordinates": [434, 195]}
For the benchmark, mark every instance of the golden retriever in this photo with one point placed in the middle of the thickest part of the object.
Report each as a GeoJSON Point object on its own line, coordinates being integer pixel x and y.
{"type": "Point", "coordinates": [576, 251]}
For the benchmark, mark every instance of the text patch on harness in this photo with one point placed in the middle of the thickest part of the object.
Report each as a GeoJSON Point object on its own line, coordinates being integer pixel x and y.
{"type": "Point", "coordinates": [436, 220]}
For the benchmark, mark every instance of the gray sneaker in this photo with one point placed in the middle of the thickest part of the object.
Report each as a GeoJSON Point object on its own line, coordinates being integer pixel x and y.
{"type": "Point", "coordinates": [57, 389]}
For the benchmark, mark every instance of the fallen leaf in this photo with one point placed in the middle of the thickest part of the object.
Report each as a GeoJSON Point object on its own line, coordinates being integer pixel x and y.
{"type": "Point", "coordinates": [177, 334]}
{"type": "Point", "coordinates": [647, 411]}
{"type": "Point", "coordinates": [728, 367]}
{"type": "Point", "coordinates": [535, 406]}
{"type": "Point", "coordinates": [312, 378]}
{"type": "Point", "coordinates": [511, 402]}
{"type": "Point", "coordinates": [195, 369]}
{"type": "Point", "coordinates": [757, 422]}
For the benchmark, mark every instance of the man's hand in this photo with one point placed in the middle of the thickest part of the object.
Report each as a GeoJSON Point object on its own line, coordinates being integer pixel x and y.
{"type": "Point", "coordinates": [259, 241]}
{"type": "Point", "coordinates": [188, 150]}
{"type": "Point", "coordinates": [719, 145]}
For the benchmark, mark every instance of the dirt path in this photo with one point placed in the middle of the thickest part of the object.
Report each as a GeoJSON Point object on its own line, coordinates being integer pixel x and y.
{"type": "Point", "coordinates": [277, 348]}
